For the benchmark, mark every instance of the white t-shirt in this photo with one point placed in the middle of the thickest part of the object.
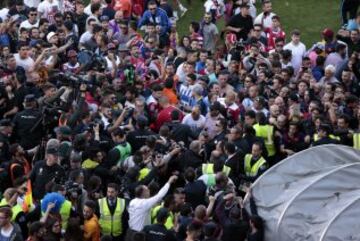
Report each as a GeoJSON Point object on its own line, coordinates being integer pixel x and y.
{"type": "Point", "coordinates": [110, 66]}
{"type": "Point", "coordinates": [3, 13]}
{"type": "Point", "coordinates": [85, 37]}
{"type": "Point", "coordinates": [32, 3]}
{"type": "Point", "coordinates": [298, 52]}
{"type": "Point", "coordinates": [25, 63]}
{"type": "Point", "coordinates": [265, 21]}
{"type": "Point", "coordinates": [26, 24]}
{"type": "Point", "coordinates": [48, 10]}
{"type": "Point", "coordinates": [87, 9]}
{"type": "Point", "coordinates": [195, 125]}
{"type": "Point", "coordinates": [7, 233]}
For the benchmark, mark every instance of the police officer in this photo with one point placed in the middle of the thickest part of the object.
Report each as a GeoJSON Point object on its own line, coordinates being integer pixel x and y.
{"type": "Point", "coordinates": [6, 129]}
{"type": "Point", "coordinates": [46, 171]}
{"type": "Point", "coordinates": [158, 231]}
{"type": "Point", "coordinates": [27, 133]}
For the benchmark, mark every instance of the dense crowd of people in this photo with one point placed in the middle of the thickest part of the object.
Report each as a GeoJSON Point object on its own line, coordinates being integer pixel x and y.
{"type": "Point", "coordinates": [114, 126]}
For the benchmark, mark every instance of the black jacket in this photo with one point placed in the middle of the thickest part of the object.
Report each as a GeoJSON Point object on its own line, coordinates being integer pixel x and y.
{"type": "Point", "coordinates": [24, 121]}
{"type": "Point", "coordinates": [42, 174]}
{"type": "Point", "coordinates": [137, 138]}
{"type": "Point", "coordinates": [158, 232]}
{"type": "Point", "coordinates": [195, 193]}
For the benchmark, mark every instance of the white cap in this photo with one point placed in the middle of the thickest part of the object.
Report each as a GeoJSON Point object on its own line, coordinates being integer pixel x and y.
{"type": "Point", "coordinates": [50, 35]}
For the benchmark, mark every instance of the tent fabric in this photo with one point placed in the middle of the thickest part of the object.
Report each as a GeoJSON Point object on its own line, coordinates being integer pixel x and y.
{"type": "Point", "coordinates": [311, 195]}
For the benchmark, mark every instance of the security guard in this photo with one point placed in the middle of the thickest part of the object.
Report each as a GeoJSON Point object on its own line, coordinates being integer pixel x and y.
{"type": "Point", "coordinates": [356, 140]}
{"type": "Point", "coordinates": [324, 133]}
{"type": "Point", "coordinates": [113, 215]}
{"type": "Point", "coordinates": [122, 150]}
{"type": "Point", "coordinates": [208, 168]}
{"type": "Point", "coordinates": [266, 132]}
{"type": "Point", "coordinates": [27, 132]}
{"type": "Point", "coordinates": [209, 171]}
{"type": "Point", "coordinates": [254, 163]}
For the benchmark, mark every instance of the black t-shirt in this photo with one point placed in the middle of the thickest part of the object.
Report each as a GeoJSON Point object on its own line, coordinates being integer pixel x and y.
{"type": "Point", "coordinates": [245, 23]}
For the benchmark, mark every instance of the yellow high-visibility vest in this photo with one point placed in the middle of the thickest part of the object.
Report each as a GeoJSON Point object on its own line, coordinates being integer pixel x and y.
{"type": "Point", "coordinates": [143, 173]}
{"type": "Point", "coordinates": [111, 224]}
{"type": "Point", "coordinates": [208, 168]}
{"type": "Point", "coordinates": [266, 132]}
{"type": "Point", "coordinates": [15, 211]}
{"type": "Point", "coordinates": [65, 211]}
{"type": "Point", "coordinates": [169, 224]}
{"type": "Point", "coordinates": [331, 136]}
{"type": "Point", "coordinates": [252, 171]}
{"type": "Point", "coordinates": [356, 140]}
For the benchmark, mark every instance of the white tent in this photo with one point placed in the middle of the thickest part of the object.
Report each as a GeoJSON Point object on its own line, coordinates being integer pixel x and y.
{"type": "Point", "coordinates": [313, 195]}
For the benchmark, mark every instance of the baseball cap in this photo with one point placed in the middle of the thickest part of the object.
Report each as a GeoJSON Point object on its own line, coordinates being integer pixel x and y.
{"type": "Point", "coordinates": [63, 130]}
{"type": "Point", "coordinates": [111, 46]}
{"type": "Point", "coordinates": [104, 18]}
{"type": "Point", "coordinates": [53, 151]}
{"type": "Point", "coordinates": [50, 35]}
{"type": "Point", "coordinates": [327, 32]}
{"type": "Point", "coordinates": [29, 98]}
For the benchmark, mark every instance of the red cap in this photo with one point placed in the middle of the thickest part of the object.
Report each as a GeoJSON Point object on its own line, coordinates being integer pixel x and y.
{"type": "Point", "coordinates": [327, 32]}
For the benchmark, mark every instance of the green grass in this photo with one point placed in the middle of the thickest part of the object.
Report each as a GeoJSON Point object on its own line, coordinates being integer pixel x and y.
{"type": "Point", "coordinates": [309, 16]}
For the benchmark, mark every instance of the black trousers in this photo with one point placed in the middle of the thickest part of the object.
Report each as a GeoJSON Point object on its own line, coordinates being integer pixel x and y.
{"type": "Point", "coordinates": [349, 7]}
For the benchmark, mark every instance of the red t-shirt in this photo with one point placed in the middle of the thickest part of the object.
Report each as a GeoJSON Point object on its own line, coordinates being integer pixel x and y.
{"type": "Point", "coordinates": [165, 116]}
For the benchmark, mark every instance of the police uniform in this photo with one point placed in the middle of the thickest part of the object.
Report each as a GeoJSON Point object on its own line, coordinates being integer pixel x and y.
{"type": "Point", "coordinates": [24, 122]}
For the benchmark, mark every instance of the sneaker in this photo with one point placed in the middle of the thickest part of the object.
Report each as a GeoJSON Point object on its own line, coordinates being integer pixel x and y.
{"type": "Point", "coordinates": [184, 10]}
{"type": "Point", "coordinates": [176, 16]}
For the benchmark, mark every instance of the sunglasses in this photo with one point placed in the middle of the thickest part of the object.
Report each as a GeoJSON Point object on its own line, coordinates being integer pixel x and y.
{"type": "Point", "coordinates": [33, 14]}
{"type": "Point", "coordinates": [152, 9]}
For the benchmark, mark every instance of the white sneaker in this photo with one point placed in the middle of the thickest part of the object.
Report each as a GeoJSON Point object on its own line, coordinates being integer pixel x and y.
{"type": "Point", "coordinates": [176, 16]}
{"type": "Point", "coordinates": [184, 10]}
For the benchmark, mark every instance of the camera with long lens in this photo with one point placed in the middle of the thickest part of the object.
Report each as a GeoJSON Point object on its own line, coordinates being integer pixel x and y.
{"type": "Point", "coordinates": [73, 190]}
